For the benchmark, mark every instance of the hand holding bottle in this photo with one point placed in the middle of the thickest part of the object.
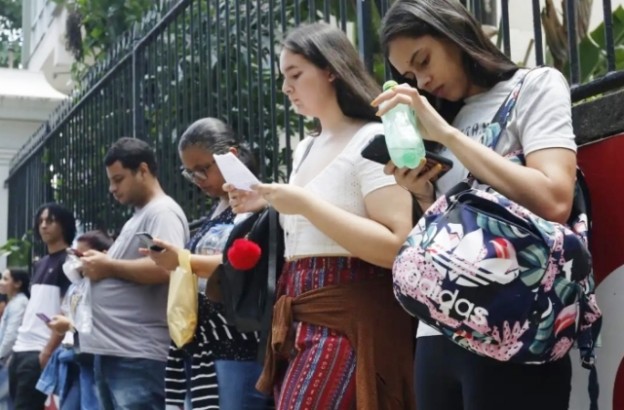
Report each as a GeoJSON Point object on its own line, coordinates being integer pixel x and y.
{"type": "Point", "coordinates": [403, 139]}
{"type": "Point", "coordinates": [430, 124]}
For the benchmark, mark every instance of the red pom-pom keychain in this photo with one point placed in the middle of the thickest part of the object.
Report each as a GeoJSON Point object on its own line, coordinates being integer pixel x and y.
{"type": "Point", "coordinates": [244, 254]}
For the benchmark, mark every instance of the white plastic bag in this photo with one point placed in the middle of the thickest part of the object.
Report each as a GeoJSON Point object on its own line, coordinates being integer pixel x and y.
{"type": "Point", "coordinates": [82, 314]}
{"type": "Point", "coordinates": [78, 298]}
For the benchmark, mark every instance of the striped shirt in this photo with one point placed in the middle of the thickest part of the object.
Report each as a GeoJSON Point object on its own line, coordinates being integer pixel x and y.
{"type": "Point", "coordinates": [191, 368]}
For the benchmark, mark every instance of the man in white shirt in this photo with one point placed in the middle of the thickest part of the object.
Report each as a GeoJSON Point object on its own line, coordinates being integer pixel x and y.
{"type": "Point", "coordinates": [56, 227]}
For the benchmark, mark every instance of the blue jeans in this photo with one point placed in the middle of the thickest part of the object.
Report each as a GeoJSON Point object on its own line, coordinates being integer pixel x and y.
{"type": "Point", "coordinates": [88, 397]}
{"type": "Point", "coordinates": [5, 399]}
{"type": "Point", "coordinates": [70, 396]}
{"type": "Point", "coordinates": [129, 384]}
{"type": "Point", "coordinates": [237, 385]}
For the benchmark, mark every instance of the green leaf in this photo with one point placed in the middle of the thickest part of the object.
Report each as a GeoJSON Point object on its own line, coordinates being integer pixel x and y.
{"type": "Point", "coordinates": [592, 49]}
{"type": "Point", "coordinates": [17, 251]}
{"type": "Point", "coordinates": [598, 34]}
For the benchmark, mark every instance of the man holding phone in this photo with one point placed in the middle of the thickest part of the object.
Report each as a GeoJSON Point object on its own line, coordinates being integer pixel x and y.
{"type": "Point", "coordinates": [130, 337]}
{"type": "Point", "coordinates": [56, 227]}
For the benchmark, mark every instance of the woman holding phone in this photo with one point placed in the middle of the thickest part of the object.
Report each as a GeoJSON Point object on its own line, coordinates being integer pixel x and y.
{"type": "Point", "coordinates": [344, 221]}
{"type": "Point", "coordinates": [455, 79]}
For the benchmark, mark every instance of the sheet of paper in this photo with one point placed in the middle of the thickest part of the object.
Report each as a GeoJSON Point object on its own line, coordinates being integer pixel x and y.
{"type": "Point", "coordinates": [235, 172]}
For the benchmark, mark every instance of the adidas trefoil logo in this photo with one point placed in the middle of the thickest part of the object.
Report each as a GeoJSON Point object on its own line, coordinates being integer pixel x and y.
{"type": "Point", "coordinates": [462, 259]}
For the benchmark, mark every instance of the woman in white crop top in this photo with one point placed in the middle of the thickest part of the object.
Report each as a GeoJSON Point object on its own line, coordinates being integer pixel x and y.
{"type": "Point", "coordinates": [344, 220]}
{"type": "Point", "coordinates": [455, 79]}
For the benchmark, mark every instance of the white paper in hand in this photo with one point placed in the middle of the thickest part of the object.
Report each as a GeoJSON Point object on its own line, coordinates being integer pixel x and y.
{"type": "Point", "coordinates": [235, 172]}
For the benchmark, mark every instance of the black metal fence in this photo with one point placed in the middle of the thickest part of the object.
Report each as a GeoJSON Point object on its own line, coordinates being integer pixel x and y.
{"type": "Point", "coordinates": [217, 58]}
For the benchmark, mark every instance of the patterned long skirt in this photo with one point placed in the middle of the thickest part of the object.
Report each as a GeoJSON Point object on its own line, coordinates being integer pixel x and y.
{"type": "Point", "coordinates": [321, 372]}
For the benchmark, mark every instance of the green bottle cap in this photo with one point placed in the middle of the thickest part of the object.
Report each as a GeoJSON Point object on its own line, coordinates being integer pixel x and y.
{"type": "Point", "coordinates": [389, 84]}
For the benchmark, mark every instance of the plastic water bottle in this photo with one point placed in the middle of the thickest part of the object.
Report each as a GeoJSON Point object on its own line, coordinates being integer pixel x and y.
{"type": "Point", "coordinates": [405, 144]}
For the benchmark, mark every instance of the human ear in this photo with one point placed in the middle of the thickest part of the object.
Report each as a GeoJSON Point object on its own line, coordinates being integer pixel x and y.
{"type": "Point", "coordinates": [143, 168]}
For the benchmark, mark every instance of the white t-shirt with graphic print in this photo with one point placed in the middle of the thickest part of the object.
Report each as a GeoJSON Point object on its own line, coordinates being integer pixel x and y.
{"type": "Point", "coordinates": [542, 118]}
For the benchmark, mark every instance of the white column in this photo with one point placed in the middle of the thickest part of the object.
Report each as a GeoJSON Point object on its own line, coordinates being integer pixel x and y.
{"type": "Point", "coordinates": [5, 158]}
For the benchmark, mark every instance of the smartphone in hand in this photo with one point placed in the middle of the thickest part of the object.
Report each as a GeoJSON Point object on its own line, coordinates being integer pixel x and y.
{"type": "Point", "coordinates": [148, 242]}
{"type": "Point", "coordinates": [43, 317]}
{"type": "Point", "coordinates": [377, 151]}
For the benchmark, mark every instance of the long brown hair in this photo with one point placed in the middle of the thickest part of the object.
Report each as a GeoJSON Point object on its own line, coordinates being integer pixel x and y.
{"type": "Point", "coordinates": [485, 64]}
{"type": "Point", "coordinates": [327, 47]}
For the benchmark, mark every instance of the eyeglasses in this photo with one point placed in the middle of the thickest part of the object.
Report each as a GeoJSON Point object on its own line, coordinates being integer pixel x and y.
{"type": "Point", "coordinates": [198, 174]}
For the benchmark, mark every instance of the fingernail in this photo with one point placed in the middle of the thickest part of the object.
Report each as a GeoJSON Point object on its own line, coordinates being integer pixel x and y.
{"type": "Point", "coordinates": [374, 103]}
{"type": "Point", "coordinates": [439, 166]}
{"type": "Point", "coordinates": [377, 114]}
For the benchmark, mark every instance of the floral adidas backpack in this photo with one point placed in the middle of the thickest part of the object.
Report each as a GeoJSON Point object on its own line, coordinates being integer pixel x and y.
{"type": "Point", "coordinates": [497, 279]}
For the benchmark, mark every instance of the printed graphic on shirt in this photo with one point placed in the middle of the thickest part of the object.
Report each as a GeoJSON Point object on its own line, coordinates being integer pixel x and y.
{"type": "Point", "coordinates": [475, 130]}
{"type": "Point", "coordinates": [213, 241]}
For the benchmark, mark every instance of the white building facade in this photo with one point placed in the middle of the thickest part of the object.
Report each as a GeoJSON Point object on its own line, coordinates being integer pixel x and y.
{"type": "Point", "coordinates": [29, 95]}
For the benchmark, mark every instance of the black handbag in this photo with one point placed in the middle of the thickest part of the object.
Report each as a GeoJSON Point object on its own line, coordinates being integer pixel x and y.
{"type": "Point", "coordinates": [249, 295]}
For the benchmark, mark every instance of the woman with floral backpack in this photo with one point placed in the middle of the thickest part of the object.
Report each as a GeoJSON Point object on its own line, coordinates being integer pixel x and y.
{"type": "Point", "coordinates": [477, 108]}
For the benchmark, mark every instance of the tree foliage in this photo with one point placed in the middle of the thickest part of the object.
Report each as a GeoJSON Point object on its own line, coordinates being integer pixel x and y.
{"type": "Point", "coordinates": [94, 26]}
{"type": "Point", "coordinates": [591, 44]}
{"type": "Point", "coordinates": [17, 251]}
{"type": "Point", "coordinates": [10, 33]}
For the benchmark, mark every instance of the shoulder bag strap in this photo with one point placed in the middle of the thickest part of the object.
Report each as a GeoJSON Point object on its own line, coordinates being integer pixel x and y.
{"type": "Point", "coordinates": [305, 154]}
{"type": "Point", "coordinates": [267, 315]}
{"type": "Point", "coordinates": [501, 118]}
{"type": "Point", "coordinates": [504, 112]}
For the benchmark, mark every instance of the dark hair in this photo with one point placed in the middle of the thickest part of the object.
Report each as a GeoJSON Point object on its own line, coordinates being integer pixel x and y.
{"type": "Point", "coordinates": [63, 216]}
{"type": "Point", "coordinates": [217, 137]}
{"type": "Point", "coordinates": [485, 64]}
{"type": "Point", "coordinates": [96, 240]}
{"type": "Point", "coordinates": [327, 47]}
{"type": "Point", "coordinates": [21, 275]}
{"type": "Point", "coordinates": [131, 152]}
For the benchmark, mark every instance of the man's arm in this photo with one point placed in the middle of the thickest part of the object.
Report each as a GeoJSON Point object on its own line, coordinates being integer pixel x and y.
{"type": "Point", "coordinates": [97, 266]}
{"type": "Point", "coordinates": [164, 224]}
{"type": "Point", "coordinates": [142, 271]}
{"type": "Point", "coordinates": [53, 343]}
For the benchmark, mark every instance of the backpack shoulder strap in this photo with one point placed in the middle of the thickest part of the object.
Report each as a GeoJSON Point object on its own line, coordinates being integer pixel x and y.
{"type": "Point", "coordinates": [504, 111]}
{"type": "Point", "coordinates": [501, 118]}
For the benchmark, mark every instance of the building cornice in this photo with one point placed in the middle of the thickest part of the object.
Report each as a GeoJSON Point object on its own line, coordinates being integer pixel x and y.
{"type": "Point", "coordinates": [6, 155]}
